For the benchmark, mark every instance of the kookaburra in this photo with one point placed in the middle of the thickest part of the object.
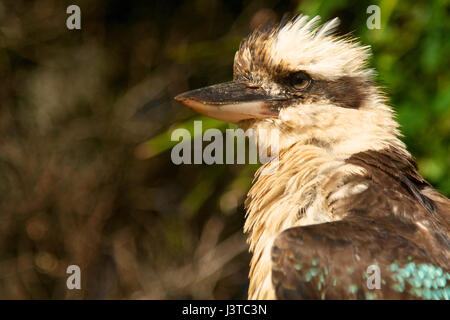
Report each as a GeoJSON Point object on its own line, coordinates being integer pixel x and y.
{"type": "Point", "coordinates": [346, 204]}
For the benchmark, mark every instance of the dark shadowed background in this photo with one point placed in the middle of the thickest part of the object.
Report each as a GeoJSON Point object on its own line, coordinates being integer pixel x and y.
{"type": "Point", "coordinates": [86, 115]}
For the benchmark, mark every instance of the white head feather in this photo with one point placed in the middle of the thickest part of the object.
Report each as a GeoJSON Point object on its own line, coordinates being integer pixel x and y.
{"type": "Point", "coordinates": [303, 45]}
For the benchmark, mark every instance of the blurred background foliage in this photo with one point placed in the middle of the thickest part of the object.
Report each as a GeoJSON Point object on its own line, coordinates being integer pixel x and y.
{"type": "Point", "coordinates": [85, 121]}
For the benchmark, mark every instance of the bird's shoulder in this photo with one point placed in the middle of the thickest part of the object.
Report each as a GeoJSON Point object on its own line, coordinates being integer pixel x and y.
{"type": "Point", "coordinates": [395, 194]}
{"type": "Point", "coordinates": [398, 223]}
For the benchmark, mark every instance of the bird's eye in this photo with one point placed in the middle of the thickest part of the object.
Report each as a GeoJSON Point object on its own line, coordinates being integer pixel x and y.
{"type": "Point", "coordinates": [300, 80]}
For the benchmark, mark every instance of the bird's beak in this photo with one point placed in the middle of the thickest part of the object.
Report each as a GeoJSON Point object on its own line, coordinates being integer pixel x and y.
{"type": "Point", "coordinates": [231, 101]}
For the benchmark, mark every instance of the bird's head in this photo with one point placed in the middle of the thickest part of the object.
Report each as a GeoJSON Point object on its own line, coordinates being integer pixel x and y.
{"type": "Point", "coordinates": [308, 84]}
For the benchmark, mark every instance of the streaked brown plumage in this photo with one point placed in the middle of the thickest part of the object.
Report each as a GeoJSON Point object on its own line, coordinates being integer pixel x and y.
{"type": "Point", "coordinates": [347, 194]}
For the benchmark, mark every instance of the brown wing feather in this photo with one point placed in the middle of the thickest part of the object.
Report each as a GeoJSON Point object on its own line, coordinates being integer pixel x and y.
{"type": "Point", "coordinates": [398, 219]}
{"type": "Point", "coordinates": [329, 261]}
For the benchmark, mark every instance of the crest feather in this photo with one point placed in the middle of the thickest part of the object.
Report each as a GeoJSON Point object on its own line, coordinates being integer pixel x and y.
{"type": "Point", "coordinates": [302, 44]}
{"type": "Point", "coordinates": [328, 28]}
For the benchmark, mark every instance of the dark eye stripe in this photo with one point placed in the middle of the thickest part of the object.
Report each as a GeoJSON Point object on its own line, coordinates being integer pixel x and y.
{"type": "Point", "coordinates": [345, 92]}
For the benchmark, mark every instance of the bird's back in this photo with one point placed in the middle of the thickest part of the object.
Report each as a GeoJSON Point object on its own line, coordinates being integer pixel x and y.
{"type": "Point", "coordinates": [398, 224]}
